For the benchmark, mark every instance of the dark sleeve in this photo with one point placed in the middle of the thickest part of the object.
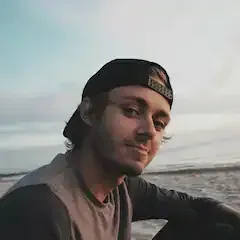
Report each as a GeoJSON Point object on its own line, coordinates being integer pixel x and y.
{"type": "Point", "coordinates": [152, 202]}
{"type": "Point", "coordinates": [33, 212]}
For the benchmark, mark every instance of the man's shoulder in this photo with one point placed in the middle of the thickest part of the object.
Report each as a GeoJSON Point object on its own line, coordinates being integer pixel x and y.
{"type": "Point", "coordinates": [36, 202]}
{"type": "Point", "coordinates": [49, 174]}
{"type": "Point", "coordinates": [33, 211]}
{"type": "Point", "coordinates": [40, 193]}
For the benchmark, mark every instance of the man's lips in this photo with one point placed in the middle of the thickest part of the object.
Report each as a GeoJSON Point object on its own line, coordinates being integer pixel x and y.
{"type": "Point", "coordinates": [140, 148]}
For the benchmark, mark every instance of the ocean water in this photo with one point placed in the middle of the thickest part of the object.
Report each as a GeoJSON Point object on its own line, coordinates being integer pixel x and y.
{"type": "Point", "coordinates": [222, 185]}
{"type": "Point", "coordinates": [199, 149]}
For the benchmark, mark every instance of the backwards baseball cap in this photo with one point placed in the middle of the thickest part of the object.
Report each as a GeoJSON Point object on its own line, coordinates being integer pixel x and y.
{"type": "Point", "coordinates": [118, 73]}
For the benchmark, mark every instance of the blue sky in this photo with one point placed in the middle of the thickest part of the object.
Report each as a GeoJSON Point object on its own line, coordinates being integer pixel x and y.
{"type": "Point", "coordinates": [50, 48]}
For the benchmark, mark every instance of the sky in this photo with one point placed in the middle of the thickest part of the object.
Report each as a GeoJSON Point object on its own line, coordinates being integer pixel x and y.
{"type": "Point", "coordinates": [49, 49]}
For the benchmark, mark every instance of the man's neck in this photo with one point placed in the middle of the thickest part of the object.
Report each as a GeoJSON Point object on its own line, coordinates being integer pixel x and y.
{"type": "Point", "coordinates": [99, 182]}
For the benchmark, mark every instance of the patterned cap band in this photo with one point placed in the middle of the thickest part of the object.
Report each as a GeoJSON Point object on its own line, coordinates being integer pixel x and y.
{"type": "Point", "coordinates": [158, 87]}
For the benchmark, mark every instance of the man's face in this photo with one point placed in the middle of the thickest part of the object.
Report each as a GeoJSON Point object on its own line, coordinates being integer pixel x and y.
{"type": "Point", "coordinates": [131, 129]}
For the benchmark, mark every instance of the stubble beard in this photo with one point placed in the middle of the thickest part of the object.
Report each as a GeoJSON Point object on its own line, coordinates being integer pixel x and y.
{"type": "Point", "coordinates": [108, 157]}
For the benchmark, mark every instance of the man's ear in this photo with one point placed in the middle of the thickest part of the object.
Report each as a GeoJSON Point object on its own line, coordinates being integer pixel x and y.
{"type": "Point", "coordinates": [85, 109]}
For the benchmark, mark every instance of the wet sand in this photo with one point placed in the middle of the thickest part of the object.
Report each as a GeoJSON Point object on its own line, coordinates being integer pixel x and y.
{"type": "Point", "coordinates": [222, 185]}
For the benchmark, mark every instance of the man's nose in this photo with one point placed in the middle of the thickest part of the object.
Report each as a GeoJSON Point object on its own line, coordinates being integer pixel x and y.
{"type": "Point", "coordinates": [147, 128]}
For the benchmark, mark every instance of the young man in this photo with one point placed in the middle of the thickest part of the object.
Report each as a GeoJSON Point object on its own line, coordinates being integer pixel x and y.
{"type": "Point", "coordinates": [94, 191]}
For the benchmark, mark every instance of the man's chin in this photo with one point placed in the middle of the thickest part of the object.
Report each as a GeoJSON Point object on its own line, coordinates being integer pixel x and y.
{"type": "Point", "coordinates": [128, 168]}
{"type": "Point", "coordinates": [132, 170]}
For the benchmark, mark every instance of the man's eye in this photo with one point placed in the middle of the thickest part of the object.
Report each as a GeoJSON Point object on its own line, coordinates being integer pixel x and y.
{"type": "Point", "coordinates": [131, 112]}
{"type": "Point", "coordinates": [159, 125]}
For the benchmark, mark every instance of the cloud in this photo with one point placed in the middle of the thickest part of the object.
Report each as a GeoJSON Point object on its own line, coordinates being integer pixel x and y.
{"type": "Point", "coordinates": [30, 127]}
{"type": "Point", "coordinates": [57, 107]}
{"type": "Point", "coordinates": [52, 107]}
{"type": "Point", "coordinates": [23, 140]}
{"type": "Point", "coordinates": [198, 122]}
{"type": "Point", "coordinates": [14, 160]}
{"type": "Point", "coordinates": [204, 103]}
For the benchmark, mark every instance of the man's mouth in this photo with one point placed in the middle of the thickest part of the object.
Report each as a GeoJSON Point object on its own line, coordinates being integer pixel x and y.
{"type": "Point", "coordinates": [140, 148]}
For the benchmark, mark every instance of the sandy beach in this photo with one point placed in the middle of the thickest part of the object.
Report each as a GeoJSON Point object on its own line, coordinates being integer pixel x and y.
{"type": "Point", "coordinates": [222, 185]}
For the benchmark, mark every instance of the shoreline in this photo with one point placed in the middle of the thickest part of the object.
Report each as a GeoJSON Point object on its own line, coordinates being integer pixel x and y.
{"type": "Point", "coordinates": [186, 170]}
{"type": "Point", "coordinates": [14, 174]}
{"type": "Point", "coordinates": [196, 170]}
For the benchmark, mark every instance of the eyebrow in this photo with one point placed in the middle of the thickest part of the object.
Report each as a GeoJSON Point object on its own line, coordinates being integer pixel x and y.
{"type": "Point", "coordinates": [141, 101]}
